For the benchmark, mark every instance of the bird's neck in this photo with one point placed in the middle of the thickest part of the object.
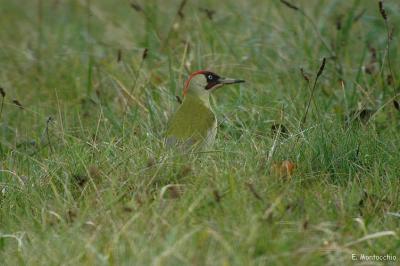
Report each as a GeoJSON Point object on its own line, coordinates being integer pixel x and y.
{"type": "Point", "coordinates": [204, 98]}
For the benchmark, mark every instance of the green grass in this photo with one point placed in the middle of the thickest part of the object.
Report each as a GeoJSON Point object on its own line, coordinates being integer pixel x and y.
{"type": "Point", "coordinates": [94, 185]}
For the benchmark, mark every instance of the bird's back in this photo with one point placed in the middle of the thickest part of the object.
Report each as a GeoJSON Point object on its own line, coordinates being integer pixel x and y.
{"type": "Point", "coordinates": [193, 123]}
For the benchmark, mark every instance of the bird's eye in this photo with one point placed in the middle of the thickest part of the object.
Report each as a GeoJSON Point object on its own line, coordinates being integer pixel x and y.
{"type": "Point", "coordinates": [210, 77]}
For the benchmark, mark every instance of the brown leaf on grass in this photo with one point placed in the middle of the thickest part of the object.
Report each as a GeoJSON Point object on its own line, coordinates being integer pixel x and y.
{"type": "Point", "coordinates": [283, 169]}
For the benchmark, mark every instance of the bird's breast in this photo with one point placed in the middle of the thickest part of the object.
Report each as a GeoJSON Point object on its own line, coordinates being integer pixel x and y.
{"type": "Point", "coordinates": [193, 121]}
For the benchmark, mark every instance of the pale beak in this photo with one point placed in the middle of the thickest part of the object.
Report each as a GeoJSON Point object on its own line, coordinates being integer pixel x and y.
{"type": "Point", "coordinates": [229, 81]}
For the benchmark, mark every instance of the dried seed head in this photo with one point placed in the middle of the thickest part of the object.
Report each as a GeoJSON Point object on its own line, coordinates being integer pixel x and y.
{"type": "Point", "coordinates": [2, 92]}
{"type": "Point", "coordinates": [209, 13]}
{"type": "Point", "coordinates": [80, 179]}
{"type": "Point", "coordinates": [180, 10]}
{"type": "Point", "coordinates": [217, 195]}
{"type": "Point", "coordinates": [178, 99]}
{"type": "Point", "coordinates": [396, 105]}
{"type": "Point", "coordinates": [253, 191]}
{"type": "Point", "coordinates": [373, 54]}
{"type": "Point", "coordinates": [390, 79]}
{"type": "Point", "coordinates": [145, 52]}
{"type": "Point", "coordinates": [370, 68]}
{"type": "Point", "coordinates": [339, 22]}
{"type": "Point", "coordinates": [136, 6]}
{"type": "Point", "coordinates": [321, 68]}
{"type": "Point", "coordinates": [71, 215]}
{"type": "Point", "coordinates": [382, 10]}
{"type": "Point", "coordinates": [305, 224]}
{"type": "Point", "coordinates": [391, 34]}
{"type": "Point", "coordinates": [306, 78]}
{"type": "Point", "coordinates": [289, 5]}
{"type": "Point", "coordinates": [359, 16]}
{"type": "Point", "coordinates": [119, 55]}
{"type": "Point", "coordinates": [17, 103]}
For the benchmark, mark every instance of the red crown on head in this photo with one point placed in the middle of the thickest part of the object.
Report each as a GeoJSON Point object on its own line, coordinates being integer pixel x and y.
{"type": "Point", "coordinates": [187, 83]}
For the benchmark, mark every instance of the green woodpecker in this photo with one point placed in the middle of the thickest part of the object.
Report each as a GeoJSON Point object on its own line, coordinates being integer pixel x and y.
{"type": "Point", "coordinates": [194, 124]}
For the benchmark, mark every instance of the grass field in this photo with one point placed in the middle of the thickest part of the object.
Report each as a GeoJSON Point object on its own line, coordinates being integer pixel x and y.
{"type": "Point", "coordinates": [87, 90]}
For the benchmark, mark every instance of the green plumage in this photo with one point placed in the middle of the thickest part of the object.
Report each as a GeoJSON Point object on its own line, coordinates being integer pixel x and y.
{"type": "Point", "coordinates": [193, 123]}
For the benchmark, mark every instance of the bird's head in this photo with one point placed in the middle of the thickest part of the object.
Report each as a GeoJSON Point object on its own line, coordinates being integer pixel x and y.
{"type": "Point", "coordinates": [203, 82]}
